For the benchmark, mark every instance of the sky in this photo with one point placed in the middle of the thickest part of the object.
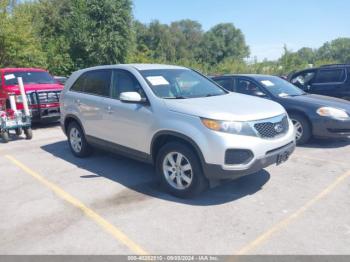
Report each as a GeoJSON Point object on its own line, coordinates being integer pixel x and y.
{"type": "Point", "coordinates": [268, 25]}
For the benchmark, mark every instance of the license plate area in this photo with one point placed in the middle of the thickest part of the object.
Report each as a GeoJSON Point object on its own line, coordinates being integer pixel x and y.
{"type": "Point", "coordinates": [283, 157]}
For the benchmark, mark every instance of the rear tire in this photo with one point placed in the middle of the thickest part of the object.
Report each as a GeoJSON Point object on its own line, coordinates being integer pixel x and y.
{"type": "Point", "coordinates": [18, 131]}
{"type": "Point", "coordinates": [180, 171]}
{"type": "Point", "coordinates": [5, 137]}
{"type": "Point", "coordinates": [303, 128]}
{"type": "Point", "coordinates": [28, 133]}
{"type": "Point", "coordinates": [77, 141]}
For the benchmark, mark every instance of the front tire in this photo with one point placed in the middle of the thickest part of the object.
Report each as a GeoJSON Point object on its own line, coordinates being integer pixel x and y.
{"type": "Point", "coordinates": [28, 133]}
{"type": "Point", "coordinates": [77, 141]}
{"type": "Point", "coordinates": [18, 131]}
{"type": "Point", "coordinates": [302, 129]}
{"type": "Point", "coordinates": [5, 137]}
{"type": "Point", "coordinates": [180, 171]}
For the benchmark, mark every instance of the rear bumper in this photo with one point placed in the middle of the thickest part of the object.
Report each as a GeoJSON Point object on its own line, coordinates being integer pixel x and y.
{"type": "Point", "coordinates": [216, 172]}
{"type": "Point", "coordinates": [331, 128]}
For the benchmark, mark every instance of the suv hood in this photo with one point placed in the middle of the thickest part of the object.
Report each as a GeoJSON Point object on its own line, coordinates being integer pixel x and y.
{"type": "Point", "coordinates": [320, 101]}
{"type": "Point", "coordinates": [230, 107]}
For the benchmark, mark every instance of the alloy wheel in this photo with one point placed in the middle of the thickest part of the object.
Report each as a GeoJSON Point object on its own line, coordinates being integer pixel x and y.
{"type": "Point", "coordinates": [75, 140]}
{"type": "Point", "coordinates": [177, 170]}
{"type": "Point", "coordinates": [298, 129]}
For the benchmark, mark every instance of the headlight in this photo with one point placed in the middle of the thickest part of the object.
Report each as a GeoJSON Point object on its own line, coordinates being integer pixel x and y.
{"type": "Point", "coordinates": [332, 112]}
{"type": "Point", "coordinates": [238, 128]}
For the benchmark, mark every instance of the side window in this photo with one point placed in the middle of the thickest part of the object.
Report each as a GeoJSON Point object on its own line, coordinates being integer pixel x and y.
{"type": "Point", "coordinates": [330, 76]}
{"type": "Point", "coordinates": [303, 79]}
{"type": "Point", "coordinates": [248, 87]}
{"type": "Point", "coordinates": [124, 81]}
{"type": "Point", "coordinates": [98, 82]}
{"type": "Point", "coordinates": [78, 86]}
{"type": "Point", "coordinates": [225, 83]}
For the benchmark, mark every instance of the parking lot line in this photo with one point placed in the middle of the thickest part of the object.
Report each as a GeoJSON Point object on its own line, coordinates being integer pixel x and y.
{"type": "Point", "coordinates": [285, 222]}
{"type": "Point", "coordinates": [113, 230]}
{"type": "Point", "coordinates": [319, 159]}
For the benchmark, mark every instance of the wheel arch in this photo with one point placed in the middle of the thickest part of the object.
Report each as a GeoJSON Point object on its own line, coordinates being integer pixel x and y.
{"type": "Point", "coordinates": [69, 119]}
{"type": "Point", "coordinates": [303, 114]}
{"type": "Point", "coordinates": [163, 137]}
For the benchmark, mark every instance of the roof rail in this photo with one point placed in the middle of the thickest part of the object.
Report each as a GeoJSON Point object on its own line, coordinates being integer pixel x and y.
{"type": "Point", "coordinates": [335, 65]}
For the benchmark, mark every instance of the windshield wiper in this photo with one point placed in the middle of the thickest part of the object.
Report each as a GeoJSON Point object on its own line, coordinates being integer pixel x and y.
{"type": "Point", "coordinates": [176, 97]}
{"type": "Point", "coordinates": [209, 95]}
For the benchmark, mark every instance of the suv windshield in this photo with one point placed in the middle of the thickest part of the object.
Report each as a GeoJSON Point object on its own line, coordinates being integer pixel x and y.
{"type": "Point", "coordinates": [280, 87]}
{"type": "Point", "coordinates": [29, 78]}
{"type": "Point", "coordinates": [180, 84]}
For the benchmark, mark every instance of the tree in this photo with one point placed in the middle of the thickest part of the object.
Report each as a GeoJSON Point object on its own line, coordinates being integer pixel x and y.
{"type": "Point", "coordinates": [82, 33]}
{"type": "Point", "coordinates": [141, 52]}
{"type": "Point", "coordinates": [19, 45]}
{"type": "Point", "coordinates": [187, 36]}
{"type": "Point", "coordinates": [159, 40]}
{"type": "Point", "coordinates": [336, 50]}
{"type": "Point", "coordinates": [307, 54]}
{"type": "Point", "coordinates": [223, 41]}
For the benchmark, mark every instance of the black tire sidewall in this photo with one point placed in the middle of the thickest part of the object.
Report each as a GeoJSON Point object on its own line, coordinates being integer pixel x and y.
{"type": "Point", "coordinates": [5, 137]}
{"type": "Point", "coordinates": [306, 128]}
{"type": "Point", "coordinates": [199, 182]}
{"type": "Point", "coordinates": [18, 131]}
{"type": "Point", "coordinates": [85, 148]}
{"type": "Point", "coordinates": [28, 133]}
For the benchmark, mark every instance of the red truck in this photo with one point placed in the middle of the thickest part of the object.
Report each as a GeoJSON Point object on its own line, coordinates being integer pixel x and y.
{"type": "Point", "coordinates": [43, 92]}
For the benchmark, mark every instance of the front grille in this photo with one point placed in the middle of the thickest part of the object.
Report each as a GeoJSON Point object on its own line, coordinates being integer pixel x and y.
{"type": "Point", "coordinates": [44, 97]}
{"type": "Point", "coordinates": [48, 97]}
{"type": "Point", "coordinates": [272, 128]}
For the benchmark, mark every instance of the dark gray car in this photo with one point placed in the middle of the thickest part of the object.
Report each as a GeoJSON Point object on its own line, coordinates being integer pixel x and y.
{"type": "Point", "coordinates": [312, 115]}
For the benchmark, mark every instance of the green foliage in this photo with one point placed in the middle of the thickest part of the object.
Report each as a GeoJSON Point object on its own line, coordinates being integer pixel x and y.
{"type": "Point", "coordinates": [222, 42]}
{"type": "Point", "coordinates": [18, 44]}
{"type": "Point", "coordinates": [81, 33]}
{"type": "Point", "coordinates": [336, 50]}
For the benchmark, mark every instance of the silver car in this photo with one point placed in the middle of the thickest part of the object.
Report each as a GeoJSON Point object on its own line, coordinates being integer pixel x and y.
{"type": "Point", "coordinates": [191, 129]}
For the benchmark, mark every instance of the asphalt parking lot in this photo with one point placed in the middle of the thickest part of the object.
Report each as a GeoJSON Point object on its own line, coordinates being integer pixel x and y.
{"type": "Point", "coordinates": [54, 203]}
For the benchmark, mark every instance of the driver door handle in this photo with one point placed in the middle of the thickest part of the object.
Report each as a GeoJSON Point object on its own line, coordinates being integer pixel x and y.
{"type": "Point", "coordinates": [109, 110]}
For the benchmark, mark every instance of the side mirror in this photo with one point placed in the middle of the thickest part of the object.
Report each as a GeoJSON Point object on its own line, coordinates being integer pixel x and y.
{"type": "Point", "coordinates": [259, 94]}
{"type": "Point", "coordinates": [132, 97]}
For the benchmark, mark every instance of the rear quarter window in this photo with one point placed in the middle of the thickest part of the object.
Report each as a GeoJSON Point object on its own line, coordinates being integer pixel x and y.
{"type": "Point", "coordinates": [330, 76]}
{"type": "Point", "coordinates": [78, 85]}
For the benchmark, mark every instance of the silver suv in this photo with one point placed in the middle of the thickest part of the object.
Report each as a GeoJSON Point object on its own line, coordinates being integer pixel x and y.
{"type": "Point", "coordinates": [191, 129]}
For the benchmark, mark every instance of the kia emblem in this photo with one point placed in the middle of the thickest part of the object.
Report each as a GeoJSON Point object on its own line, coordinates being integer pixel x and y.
{"type": "Point", "coordinates": [278, 128]}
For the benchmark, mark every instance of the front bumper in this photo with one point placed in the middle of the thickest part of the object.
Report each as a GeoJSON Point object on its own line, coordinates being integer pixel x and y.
{"type": "Point", "coordinates": [324, 127]}
{"type": "Point", "coordinates": [48, 114]}
{"type": "Point", "coordinates": [264, 153]}
{"type": "Point", "coordinates": [217, 172]}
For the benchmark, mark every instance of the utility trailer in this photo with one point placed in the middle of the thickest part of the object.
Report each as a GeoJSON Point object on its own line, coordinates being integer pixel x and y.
{"type": "Point", "coordinates": [12, 119]}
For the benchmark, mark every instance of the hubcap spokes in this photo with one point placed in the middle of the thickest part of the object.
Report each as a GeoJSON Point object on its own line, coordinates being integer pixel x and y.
{"type": "Point", "coordinates": [298, 129]}
{"type": "Point", "coordinates": [177, 170]}
{"type": "Point", "coordinates": [75, 140]}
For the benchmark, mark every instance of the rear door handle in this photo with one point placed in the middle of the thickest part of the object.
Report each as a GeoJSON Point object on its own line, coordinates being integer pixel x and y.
{"type": "Point", "coordinates": [109, 110]}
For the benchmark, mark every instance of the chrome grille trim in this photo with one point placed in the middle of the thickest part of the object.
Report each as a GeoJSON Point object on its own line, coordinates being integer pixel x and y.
{"type": "Point", "coordinates": [272, 127]}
